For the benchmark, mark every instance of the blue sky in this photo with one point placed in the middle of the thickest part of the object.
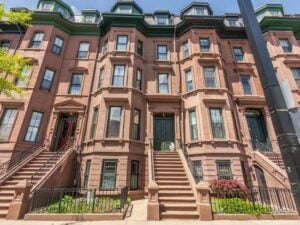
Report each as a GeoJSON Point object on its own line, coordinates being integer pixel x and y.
{"type": "Point", "coordinates": [219, 6]}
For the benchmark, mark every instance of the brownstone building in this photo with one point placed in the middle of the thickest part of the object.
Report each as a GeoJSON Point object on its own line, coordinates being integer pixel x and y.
{"type": "Point", "coordinates": [146, 97]}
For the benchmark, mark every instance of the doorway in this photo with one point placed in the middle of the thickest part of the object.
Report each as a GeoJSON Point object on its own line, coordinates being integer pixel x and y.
{"type": "Point", "coordinates": [66, 129]}
{"type": "Point", "coordinates": [164, 133]}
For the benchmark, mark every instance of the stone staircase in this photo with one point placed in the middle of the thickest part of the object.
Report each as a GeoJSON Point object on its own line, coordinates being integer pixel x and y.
{"type": "Point", "coordinates": [176, 198]}
{"type": "Point", "coordinates": [276, 158]}
{"type": "Point", "coordinates": [33, 171]}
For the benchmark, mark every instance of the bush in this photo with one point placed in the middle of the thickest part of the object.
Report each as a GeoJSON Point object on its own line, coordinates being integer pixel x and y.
{"type": "Point", "coordinates": [226, 188]}
{"type": "Point", "coordinates": [238, 206]}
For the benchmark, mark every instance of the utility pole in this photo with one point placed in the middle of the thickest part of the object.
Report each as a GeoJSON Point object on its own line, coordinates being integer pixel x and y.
{"type": "Point", "coordinates": [283, 125]}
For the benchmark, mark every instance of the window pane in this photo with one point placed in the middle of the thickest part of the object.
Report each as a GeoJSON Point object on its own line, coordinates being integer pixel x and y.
{"type": "Point", "coordinates": [7, 120]}
{"type": "Point", "coordinates": [163, 85]}
{"type": "Point", "coordinates": [94, 123]}
{"type": "Point", "coordinates": [114, 121]}
{"type": "Point", "coordinates": [245, 80]}
{"type": "Point", "coordinates": [86, 173]}
{"type": "Point", "coordinates": [140, 48]}
{"type": "Point", "coordinates": [134, 175]}
{"type": "Point", "coordinates": [217, 123]}
{"type": "Point", "coordinates": [34, 125]}
{"type": "Point", "coordinates": [118, 77]}
{"type": "Point", "coordinates": [162, 52]}
{"type": "Point", "coordinates": [238, 54]}
{"type": "Point", "coordinates": [224, 170]}
{"type": "Point", "coordinates": [189, 80]}
{"type": "Point", "coordinates": [75, 88]}
{"type": "Point", "coordinates": [57, 46]}
{"type": "Point", "coordinates": [136, 124]}
{"type": "Point", "coordinates": [193, 125]}
{"type": "Point", "coordinates": [122, 43]}
{"type": "Point", "coordinates": [296, 74]}
{"type": "Point", "coordinates": [109, 175]}
{"type": "Point", "coordinates": [185, 48]}
{"type": "Point", "coordinates": [139, 80]}
{"type": "Point", "coordinates": [101, 76]}
{"type": "Point", "coordinates": [83, 50]}
{"type": "Point", "coordinates": [209, 76]}
{"type": "Point", "coordinates": [285, 45]}
{"type": "Point", "coordinates": [204, 44]}
{"type": "Point", "coordinates": [5, 45]}
{"type": "Point", "coordinates": [47, 80]}
{"type": "Point", "coordinates": [26, 73]}
{"type": "Point", "coordinates": [36, 40]}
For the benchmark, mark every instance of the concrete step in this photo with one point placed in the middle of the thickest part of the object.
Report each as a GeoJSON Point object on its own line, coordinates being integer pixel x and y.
{"type": "Point", "coordinates": [179, 215]}
{"type": "Point", "coordinates": [178, 206]}
{"type": "Point", "coordinates": [176, 199]}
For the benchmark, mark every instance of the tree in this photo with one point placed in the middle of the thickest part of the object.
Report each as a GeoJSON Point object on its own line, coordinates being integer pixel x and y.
{"type": "Point", "coordinates": [12, 64]}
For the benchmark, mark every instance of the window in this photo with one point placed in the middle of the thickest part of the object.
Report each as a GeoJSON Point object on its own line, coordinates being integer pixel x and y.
{"type": "Point", "coordinates": [109, 174]}
{"type": "Point", "coordinates": [224, 169]}
{"type": "Point", "coordinates": [285, 45]}
{"type": "Point", "coordinates": [26, 73]}
{"type": "Point", "coordinates": [197, 170]}
{"type": "Point", "coordinates": [122, 42]}
{"type": "Point", "coordinates": [57, 46]}
{"type": "Point", "coordinates": [114, 122]}
{"type": "Point", "coordinates": [47, 80]}
{"type": "Point", "coordinates": [104, 47]}
{"type": "Point", "coordinates": [139, 48]}
{"type": "Point", "coordinates": [47, 7]}
{"type": "Point", "coordinates": [193, 124]}
{"type": "Point", "coordinates": [86, 173]}
{"type": "Point", "coordinates": [232, 22]}
{"type": "Point", "coordinates": [246, 82]}
{"type": "Point", "coordinates": [75, 87]}
{"type": "Point", "coordinates": [274, 12]}
{"type": "Point", "coordinates": [89, 19]}
{"type": "Point", "coordinates": [138, 80]}
{"type": "Point", "coordinates": [162, 20]}
{"type": "Point", "coordinates": [127, 9]}
{"type": "Point", "coordinates": [94, 123]}
{"type": "Point", "coordinates": [163, 83]}
{"type": "Point", "coordinates": [296, 74]}
{"type": "Point", "coordinates": [83, 50]}
{"type": "Point", "coordinates": [134, 175]}
{"type": "Point", "coordinates": [7, 121]}
{"type": "Point", "coordinates": [217, 125]}
{"type": "Point", "coordinates": [36, 40]}
{"type": "Point", "coordinates": [162, 52]}
{"type": "Point", "coordinates": [189, 80]}
{"type": "Point", "coordinates": [209, 77]}
{"type": "Point", "coordinates": [204, 44]}
{"type": "Point", "coordinates": [34, 126]}
{"type": "Point", "coordinates": [101, 77]}
{"type": "Point", "coordinates": [118, 76]}
{"type": "Point", "coordinates": [4, 45]}
{"type": "Point", "coordinates": [238, 54]}
{"type": "Point", "coordinates": [185, 49]}
{"type": "Point", "coordinates": [136, 124]}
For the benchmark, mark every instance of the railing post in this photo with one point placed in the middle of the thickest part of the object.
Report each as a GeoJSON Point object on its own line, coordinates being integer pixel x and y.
{"type": "Point", "coordinates": [20, 203]}
{"type": "Point", "coordinates": [203, 201]}
{"type": "Point", "coordinates": [153, 204]}
{"type": "Point", "coordinates": [94, 198]}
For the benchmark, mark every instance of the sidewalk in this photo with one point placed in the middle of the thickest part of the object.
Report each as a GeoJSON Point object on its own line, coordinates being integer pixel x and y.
{"type": "Point", "coordinates": [139, 217]}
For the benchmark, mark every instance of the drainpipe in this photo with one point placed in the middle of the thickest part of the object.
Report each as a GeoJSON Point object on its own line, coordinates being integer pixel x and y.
{"type": "Point", "coordinates": [282, 122]}
{"type": "Point", "coordinates": [87, 109]}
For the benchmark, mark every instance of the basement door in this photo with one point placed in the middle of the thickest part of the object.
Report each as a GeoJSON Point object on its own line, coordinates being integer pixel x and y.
{"type": "Point", "coordinates": [163, 132]}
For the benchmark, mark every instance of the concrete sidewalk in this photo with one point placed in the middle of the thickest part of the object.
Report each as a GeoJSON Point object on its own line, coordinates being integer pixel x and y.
{"type": "Point", "coordinates": [138, 216]}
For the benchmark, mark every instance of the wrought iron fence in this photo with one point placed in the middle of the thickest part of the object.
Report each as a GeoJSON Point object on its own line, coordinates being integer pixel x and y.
{"type": "Point", "coordinates": [20, 157]}
{"type": "Point", "coordinates": [257, 200]}
{"type": "Point", "coordinates": [78, 200]}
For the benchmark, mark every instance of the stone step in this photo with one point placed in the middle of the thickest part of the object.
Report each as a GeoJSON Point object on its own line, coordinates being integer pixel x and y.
{"type": "Point", "coordinates": [173, 182]}
{"type": "Point", "coordinates": [5, 199]}
{"type": "Point", "coordinates": [170, 160]}
{"type": "Point", "coordinates": [4, 206]}
{"type": "Point", "coordinates": [24, 173]}
{"type": "Point", "coordinates": [167, 157]}
{"type": "Point", "coordinates": [182, 193]}
{"type": "Point", "coordinates": [169, 173]}
{"type": "Point", "coordinates": [3, 213]}
{"type": "Point", "coordinates": [169, 169]}
{"type": "Point", "coordinates": [176, 199]}
{"type": "Point", "coordinates": [168, 166]}
{"type": "Point", "coordinates": [175, 187]}
{"type": "Point", "coordinates": [165, 178]}
{"type": "Point", "coordinates": [180, 215]}
{"type": "Point", "coordinates": [178, 206]}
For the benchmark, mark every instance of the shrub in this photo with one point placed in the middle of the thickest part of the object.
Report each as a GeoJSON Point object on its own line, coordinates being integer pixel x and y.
{"type": "Point", "coordinates": [226, 188]}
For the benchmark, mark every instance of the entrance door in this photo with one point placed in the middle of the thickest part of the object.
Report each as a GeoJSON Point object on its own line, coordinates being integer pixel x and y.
{"type": "Point", "coordinates": [163, 132]}
{"type": "Point", "coordinates": [262, 184]}
{"type": "Point", "coordinates": [65, 130]}
{"type": "Point", "coordinates": [257, 129]}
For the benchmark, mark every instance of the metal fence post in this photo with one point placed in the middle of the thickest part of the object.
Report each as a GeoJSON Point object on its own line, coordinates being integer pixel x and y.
{"type": "Point", "coordinates": [94, 198]}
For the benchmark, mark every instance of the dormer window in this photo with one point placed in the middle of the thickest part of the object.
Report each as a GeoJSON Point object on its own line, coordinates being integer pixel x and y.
{"type": "Point", "coordinates": [275, 12]}
{"type": "Point", "coordinates": [89, 19]}
{"type": "Point", "coordinates": [47, 7]}
{"type": "Point", "coordinates": [232, 22]}
{"type": "Point", "coordinates": [127, 9]}
{"type": "Point", "coordinates": [162, 19]}
{"type": "Point", "coordinates": [198, 11]}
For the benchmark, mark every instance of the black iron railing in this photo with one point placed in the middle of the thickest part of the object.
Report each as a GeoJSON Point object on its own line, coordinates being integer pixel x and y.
{"type": "Point", "coordinates": [52, 160]}
{"type": "Point", "coordinates": [257, 200]}
{"type": "Point", "coordinates": [17, 159]}
{"type": "Point", "coordinates": [264, 146]}
{"type": "Point", "coordinates": [77, 200]}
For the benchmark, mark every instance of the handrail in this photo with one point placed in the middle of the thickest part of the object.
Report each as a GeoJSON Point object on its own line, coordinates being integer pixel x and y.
{"type": "Point", "coordinates": [55, 156]}
{"type": "Point", "coordinates": [151, 162]}
{"type": "Point", "coordinates": [15, 160]}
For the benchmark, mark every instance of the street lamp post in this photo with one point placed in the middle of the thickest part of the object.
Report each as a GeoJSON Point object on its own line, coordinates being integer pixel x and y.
{"type": "Point", "coordinates": [283, 125]}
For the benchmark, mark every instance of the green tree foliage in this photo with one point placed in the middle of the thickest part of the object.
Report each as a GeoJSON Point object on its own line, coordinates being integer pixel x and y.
{"type": "Point", "coordinates": [12, 64]}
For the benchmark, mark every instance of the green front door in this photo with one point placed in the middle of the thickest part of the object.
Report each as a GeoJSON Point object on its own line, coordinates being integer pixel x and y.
{"type": "Point", "coordinates": [163, 132]}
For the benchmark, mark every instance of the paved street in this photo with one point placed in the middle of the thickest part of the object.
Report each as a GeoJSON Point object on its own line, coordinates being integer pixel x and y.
{"type": "Point", "coordinates": [139, 217]}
